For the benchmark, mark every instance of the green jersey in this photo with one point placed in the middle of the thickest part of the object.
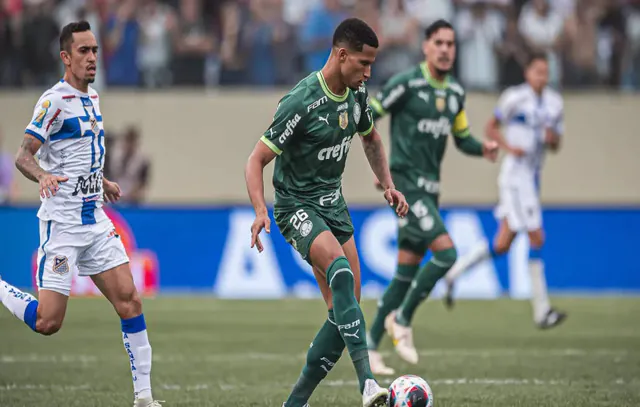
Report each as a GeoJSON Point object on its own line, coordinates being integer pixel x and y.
{"type": "Point", "coordinates": [424, 112]}
{"type": "Point", "coordinates": [311, 132]}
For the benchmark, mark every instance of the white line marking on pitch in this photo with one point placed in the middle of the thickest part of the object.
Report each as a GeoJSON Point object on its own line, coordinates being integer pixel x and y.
{"type": "Point", "coordinates": [331, 383]}
{"type": "Point", "coordinates": [287, 357]}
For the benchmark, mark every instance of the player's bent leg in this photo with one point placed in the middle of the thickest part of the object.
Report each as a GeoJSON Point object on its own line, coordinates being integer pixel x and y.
{"type": "Point", "coordinates": [544, 315]}
{"type": "Point", "coordinates": [118, 287]}
{"type": "Point", "coordinates": [327, 254]}
{"type": "Point", "coordinates": [479, 253]}
{"type": "Point", "coordinates": [44, 315]}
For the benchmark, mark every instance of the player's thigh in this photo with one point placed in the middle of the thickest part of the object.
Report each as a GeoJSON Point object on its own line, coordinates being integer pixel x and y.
{"type": "Point", "coordinates": [105, 260]}
{"type": "Point", "coordinates": [422, 228]}
{"type": "Point", "coordinates": [117, 285]}
{"type": "Point", "coordinates": [60, 246]}
{"type": "Point", "coordinates": [515, 206]}
{"type": "Point", "coordinates": [300, 225]}
{"type": "Point", "coordinates": [52, 308]}
{"type": "Point", "coordinates": [104, 250]}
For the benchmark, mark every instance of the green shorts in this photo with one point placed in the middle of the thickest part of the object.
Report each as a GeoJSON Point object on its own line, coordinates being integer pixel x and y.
{"type": "Point", "coordinates": [300, 224]}
{"type": "Point", "coordinates": [422, 225]}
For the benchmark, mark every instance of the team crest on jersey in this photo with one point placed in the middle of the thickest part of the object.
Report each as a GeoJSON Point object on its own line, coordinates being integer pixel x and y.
{"type": "Point", "coordinates": [357, 112]}
{"type": "Point", "coordinates": [305, 228]}
{"type": "Point", "coordinates": [343, 119]}
{"type": "Point", "coordinates": [453, 104]}
{"type": "Point", "coordinates": [440, 104]}
{"type": "Point", "coordinates": [44, 109]}
{"type": "Point", "coordinates": [95, 128]}
{"type": "Point", "coordinates": [60, 265]}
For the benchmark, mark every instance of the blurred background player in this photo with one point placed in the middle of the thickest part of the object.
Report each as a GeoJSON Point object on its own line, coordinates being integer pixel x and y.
{"type": "Point", "coordinates": [426, 105]}
{"type": "Point", "coordinates": [309, 138]}
{"type": "Point", "coordinates": [68, 134]}
{"type": "Point", "coordinates": [532, 115]}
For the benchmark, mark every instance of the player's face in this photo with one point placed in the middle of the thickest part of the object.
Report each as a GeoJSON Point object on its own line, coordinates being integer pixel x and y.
{"type": "Point", "coordinates": [537, 74]}
{"type": "Point", "coordinates": [83, 56]}
{"type": "Point", "coordinates": [356, 65]}
{"type": "Point", "coordinates": [440, 49]}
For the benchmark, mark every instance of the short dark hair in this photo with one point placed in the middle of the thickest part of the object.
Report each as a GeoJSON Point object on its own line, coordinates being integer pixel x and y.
{"type": "Point", "coordinates": [537, 56]}
{"type": "Point", "coordinates": [66, 36]}
{"type": "Point", "coordinates": [437, 26]}
{"type": "Point", "coordinates": [355, 33]}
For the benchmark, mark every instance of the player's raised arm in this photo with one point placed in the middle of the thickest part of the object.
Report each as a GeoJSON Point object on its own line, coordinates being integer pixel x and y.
{"type": "Point", "coordinates": [47, 118]}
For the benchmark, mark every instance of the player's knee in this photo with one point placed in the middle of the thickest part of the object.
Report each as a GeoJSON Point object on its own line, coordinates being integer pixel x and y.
{"type": "Point", "coordinates": [500, 247]}
{"type": "Point", "coordinates": [129, 304]}
{"type": "Point", "coordinates": [536, 240]}
{"type": "Point", "coordinates": [339, 275]}
{"type": "Point", "coordinates": [445, 259]}
{"type": "Point", "coordinates": [48, 326]}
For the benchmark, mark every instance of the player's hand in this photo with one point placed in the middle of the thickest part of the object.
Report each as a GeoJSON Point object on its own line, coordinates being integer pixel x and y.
{"type": "Point", "coordinates": [262, 221]}
{"type": "Point", "coordinates": [518, 152]}
{"type": "Point", "coordinates": [111, 190]}
{"type": "Point", "coordinates": [378, 185]}
{"type": "Point", "coordinates": [397, 200]}
{"type": "Point", "coordinates": [49, 184]}
{"type": "Point", "coordinates": [490, 150]}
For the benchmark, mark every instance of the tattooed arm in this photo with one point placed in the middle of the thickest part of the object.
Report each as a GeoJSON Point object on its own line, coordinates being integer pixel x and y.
{"type": "Point", "coordinates": [374, 150]}
{"type": "Point", "coordinates": [30, 168]}
{"type": "Point", "coordinates": [25, 161]}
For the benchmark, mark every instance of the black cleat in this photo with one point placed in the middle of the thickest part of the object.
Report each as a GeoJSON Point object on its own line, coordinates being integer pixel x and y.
{"type": "Point", "coordinates": [448, 296]}
{"type": "Point", "coordinates": [552, 319]}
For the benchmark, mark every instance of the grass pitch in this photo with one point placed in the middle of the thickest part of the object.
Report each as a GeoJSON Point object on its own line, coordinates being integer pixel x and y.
{"type": "Point", "coordinates": [210, 352]}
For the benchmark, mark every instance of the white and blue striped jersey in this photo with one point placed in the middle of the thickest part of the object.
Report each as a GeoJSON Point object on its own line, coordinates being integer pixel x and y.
{"type": "Point", "coordinates": [525, 116]}
{"type": "Point", "coordinates": [69, 125]}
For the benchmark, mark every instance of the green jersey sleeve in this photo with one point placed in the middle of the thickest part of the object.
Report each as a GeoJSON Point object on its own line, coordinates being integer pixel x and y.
{"type": "Point", "coordinates": [363, 114]}
{"type": "Point", "coordinates": [286, 124]}
{"type": "Point", "coordinates": [391, 98]}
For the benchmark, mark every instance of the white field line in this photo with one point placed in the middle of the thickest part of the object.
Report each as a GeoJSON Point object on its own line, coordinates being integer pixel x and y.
{"type": "Point", "coordinates": [332, 383]}
{"type": "Point", "coordinates": [286, 358]}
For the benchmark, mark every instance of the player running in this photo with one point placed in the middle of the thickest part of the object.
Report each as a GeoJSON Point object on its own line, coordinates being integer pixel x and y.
{"type": "Point", "coordinates": [426, 105]}
{"type": "Point", "coordinates": [310, 137]}
{"type": "Point", "coordinates": [67, 131]}
{"type": "Point", "coordinates": [532, 116]}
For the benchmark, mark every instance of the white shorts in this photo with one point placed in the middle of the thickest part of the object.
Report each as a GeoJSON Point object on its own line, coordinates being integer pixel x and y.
{"type": "Point", "coordinates": [520, 206]}
{"type": "Point", "coordinates": [83, 249]}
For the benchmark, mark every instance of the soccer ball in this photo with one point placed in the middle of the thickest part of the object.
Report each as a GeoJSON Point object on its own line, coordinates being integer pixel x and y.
{"type": "Point", "coordinates": [410, 391]}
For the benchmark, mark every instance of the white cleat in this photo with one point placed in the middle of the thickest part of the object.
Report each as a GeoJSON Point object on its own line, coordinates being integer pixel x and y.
{"type": "Point", "coordinates": [374, 395]}
{"type": "Point", "coordinates": [402, 337]}
{"type": "Point", "coordinates": [377, 364]}
{"type": "Point", "coordinates": [147, 403]}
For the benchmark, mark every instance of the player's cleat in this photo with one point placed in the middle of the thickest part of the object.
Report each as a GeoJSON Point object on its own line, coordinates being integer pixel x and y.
{"type": "Point", "coordinates": [306, 405]}
{"type": "Point", "coordinates": [448, 296]}
{"type": "Point", "coordinates": [377, 364]}
{"type": "Point", "coordinates": [552, 319]}
{"type": "Point", "coordinates": [147, 403]}
{"type": "Point", "coordinates": [402, 337]}
{"type": "Point", "coordinates": [373, 395]}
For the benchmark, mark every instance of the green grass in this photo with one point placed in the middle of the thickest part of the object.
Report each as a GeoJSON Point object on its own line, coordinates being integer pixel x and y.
{"type": "Point", "coordinates": [210, 352]}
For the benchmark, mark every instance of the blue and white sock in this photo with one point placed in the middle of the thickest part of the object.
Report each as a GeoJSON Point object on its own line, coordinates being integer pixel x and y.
{"type": "Point", "coordinates": [480, 252]}
{"type": "Point", "coordinates": [136, 343]}
{"type": "Point", "coordinates": [23, 305]}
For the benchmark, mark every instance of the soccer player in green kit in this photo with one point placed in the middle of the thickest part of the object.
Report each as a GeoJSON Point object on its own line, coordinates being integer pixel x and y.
{"type": "Point", "coordinates": [426, 105]}
{"type": "Point", "coordinates": [309, 138]}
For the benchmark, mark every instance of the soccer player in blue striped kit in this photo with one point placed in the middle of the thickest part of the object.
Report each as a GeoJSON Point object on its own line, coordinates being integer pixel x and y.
{"type": "Point", "coordinates": [75, 233]}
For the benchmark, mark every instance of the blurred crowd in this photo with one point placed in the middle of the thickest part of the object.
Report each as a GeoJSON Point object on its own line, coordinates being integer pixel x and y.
{"type": "Point", "coordinates": [161, 43]}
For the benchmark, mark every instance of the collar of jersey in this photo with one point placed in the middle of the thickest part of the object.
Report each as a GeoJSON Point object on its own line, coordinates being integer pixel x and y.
{"type": "Point", "coordinates": [71, 88]}
{"type": "Point", "coordinates": [432, 81]}
{"type": "Point", "coordinates": [328, 92]}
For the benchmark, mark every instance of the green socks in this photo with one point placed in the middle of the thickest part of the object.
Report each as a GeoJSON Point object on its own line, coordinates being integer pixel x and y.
{"type": "Point", "coordinates": [390, 301]}
{"type": "Point", "coordinates": [349, 317]}
{"type": "Point", "coordinates": [323, 354]}
{"type": "Point", "coordinates": [424, 282]}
